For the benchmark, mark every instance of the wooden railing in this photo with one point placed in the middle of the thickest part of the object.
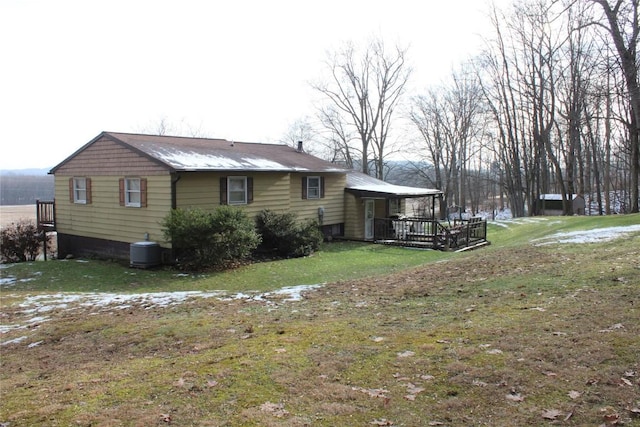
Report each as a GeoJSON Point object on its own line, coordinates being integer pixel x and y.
{"type": "Point", "coordinates": [46, 215]}
{"type": "Point", "coordinates": [427, 232]}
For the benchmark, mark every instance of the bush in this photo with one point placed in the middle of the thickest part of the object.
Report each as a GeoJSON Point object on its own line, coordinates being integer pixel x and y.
{"type": "Point", "coordinates": [204, 239]}
{"type": "Point", "coordinates": [282, 234]}
{"type": "Point", "coordinates": [21, 241]}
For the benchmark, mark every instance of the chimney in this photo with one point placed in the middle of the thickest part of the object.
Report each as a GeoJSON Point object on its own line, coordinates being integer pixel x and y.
{"type": "Point", "coordinates": [300, 150]}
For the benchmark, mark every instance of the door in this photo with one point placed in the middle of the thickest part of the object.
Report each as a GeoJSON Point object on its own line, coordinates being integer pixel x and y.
{"type": "Point", "coordinates": [369, 214]}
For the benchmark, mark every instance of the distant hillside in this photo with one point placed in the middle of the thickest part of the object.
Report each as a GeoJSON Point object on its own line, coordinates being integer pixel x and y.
{"type": "Point", "coordinates": [17, 188]}
{"type": "Point", "coordinates": [22, 172]}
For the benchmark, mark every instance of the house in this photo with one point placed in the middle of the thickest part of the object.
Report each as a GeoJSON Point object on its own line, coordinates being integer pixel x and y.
{"type": "Point", "coordinates": [117, 189]}
{"type": "Point", "coordinates": [551, 204]}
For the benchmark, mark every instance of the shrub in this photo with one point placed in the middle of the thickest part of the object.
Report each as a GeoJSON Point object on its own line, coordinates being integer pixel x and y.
{"type": "Point", "coordinates": [21, 241]}
{"type": "Point", "coordinates": [282, 234]}
{"type": "Point", "coordinates": [204, 239]}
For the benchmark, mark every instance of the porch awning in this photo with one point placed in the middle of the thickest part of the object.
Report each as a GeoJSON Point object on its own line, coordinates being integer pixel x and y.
{"type": "Point", "coordinates": [363, 185]}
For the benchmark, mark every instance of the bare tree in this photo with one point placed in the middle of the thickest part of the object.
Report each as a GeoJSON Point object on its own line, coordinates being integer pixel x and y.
{"type": "Point", "coordinates": [362, 93]}
{"type": "Point", "coordinates": [302, 130]}
{"type": "Point", "coordinates": [450, 120]}
{"type": "Point", "coordinates": [623, 26]}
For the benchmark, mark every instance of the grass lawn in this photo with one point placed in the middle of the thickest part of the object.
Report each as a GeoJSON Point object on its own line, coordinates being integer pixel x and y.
{"type": "Point", "coordinates": [526, 331]}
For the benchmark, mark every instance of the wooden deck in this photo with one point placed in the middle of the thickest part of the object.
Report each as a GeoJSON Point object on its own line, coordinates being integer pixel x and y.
{"type": "Point", "coordinates": [427, 233]}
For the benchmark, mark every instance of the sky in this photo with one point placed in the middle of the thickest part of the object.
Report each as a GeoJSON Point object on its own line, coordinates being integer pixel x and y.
{"type": "Point", "coordinates": [239, 70]}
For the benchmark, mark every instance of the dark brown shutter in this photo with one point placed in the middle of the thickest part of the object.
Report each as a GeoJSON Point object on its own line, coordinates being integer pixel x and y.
{"type": "Point", "coordinates": [223, 190]}
{"type": "Point", "coordinates": [322, 187]}
{"type": "Point", "coordinates": [88, 190]}
{"type": "Point", "coordinates": [121, 187]}
{"type": "Point", "coordinates": [249, 189]}
{"type": "Point", "coordinates": [72, 199]}
{"type": "Point", "coordinates": [304, 187]}
{"type": "Point", "coordinates": [143, 192]}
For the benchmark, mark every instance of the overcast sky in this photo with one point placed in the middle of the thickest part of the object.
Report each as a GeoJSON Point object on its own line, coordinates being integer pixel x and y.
{"type": "Point", "coordinates": [238, 69]}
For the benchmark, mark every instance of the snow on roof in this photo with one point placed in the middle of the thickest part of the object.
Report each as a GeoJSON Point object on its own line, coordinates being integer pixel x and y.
{"type": "Point", "coordinates": [556, 196]}
{"type": "Point", "coordinates": [207, 154]}
{"type": "Point", "coordinates": [360, 182]}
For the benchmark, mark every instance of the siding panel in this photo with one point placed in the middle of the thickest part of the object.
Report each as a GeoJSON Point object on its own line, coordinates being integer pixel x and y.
{"type": "Point", "coordinates": [107, 158]}
{"type": "Point", "coordinates": [104, 218]}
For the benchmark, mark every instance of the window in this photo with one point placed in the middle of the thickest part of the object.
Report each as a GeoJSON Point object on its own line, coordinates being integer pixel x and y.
{"type": "Point", "coordinates": [80, 190]}
{"type": "Point", "coordinates": [394, 207]}
{"type": "Point", "coordinates": [236, 190]}
{"type": "Point", "coordinates": [312, 187]}
{"type": "Point", "coordinates": [133, 192]}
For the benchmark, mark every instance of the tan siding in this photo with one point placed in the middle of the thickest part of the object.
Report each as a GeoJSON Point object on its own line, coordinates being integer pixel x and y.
{"type": "Point", "coordinates": [354, 217]}
{"type": "Point", "coordinates": [107, 158]}
{"type": "Point", "coordinates": [332, 202]}
{"type": "Point", "coordinates": [104, 218]}
{"type": "Point", "coordinates": [202, 190]}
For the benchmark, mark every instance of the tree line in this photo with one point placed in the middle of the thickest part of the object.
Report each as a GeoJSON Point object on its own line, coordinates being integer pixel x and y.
{"type": "Point", "coordinates": [551, 105]}
{"type": "Point", "coordinates": [25, 189]}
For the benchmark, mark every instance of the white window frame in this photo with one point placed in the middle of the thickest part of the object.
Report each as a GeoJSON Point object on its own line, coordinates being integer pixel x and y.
{"type": "Point", "coordinates": [129, 193]}
{"type": "Point", "coordinates": [236, 192]}
{"type": "Point", "coordinates": [80, 190]}
{"type": "Point", "coordinates": [314, 191]}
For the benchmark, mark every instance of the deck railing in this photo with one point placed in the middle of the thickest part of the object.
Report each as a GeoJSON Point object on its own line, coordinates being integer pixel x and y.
{"type": "Point", "coordinates": [46, 215]}
{"type": "Point", "coordinates": [431, 233]}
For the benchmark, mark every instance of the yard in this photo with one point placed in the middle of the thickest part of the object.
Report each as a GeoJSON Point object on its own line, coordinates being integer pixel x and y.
{"type": "Point", "coordinates": [540, 328]}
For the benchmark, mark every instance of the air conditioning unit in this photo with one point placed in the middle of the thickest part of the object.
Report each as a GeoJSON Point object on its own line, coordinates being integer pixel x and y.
{"type": "Point", "coordinates": [144, 254]}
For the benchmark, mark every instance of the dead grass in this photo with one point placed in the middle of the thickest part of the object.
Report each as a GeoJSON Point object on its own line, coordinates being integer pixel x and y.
{"type": "Point", "coordinates": [15, 213]}
{"type": "Point", "coordinates": [533, 336]}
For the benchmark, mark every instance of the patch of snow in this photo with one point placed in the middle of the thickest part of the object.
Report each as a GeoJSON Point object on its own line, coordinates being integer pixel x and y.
{"type": "Point", "coordinates": [8, 328]}
{"type": "Point", "coordinates": [588, 236]}
{"type": "Point", "coordinates": [34, 306]}
{"type": "Point", "coordinates": [14, 341]}
{"type": "Point", "coordinates": [34, 344]}
{"type": "Point", "coordinates": [8, 280]}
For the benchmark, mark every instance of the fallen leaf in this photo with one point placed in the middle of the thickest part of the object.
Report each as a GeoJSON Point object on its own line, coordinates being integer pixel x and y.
{"type": "Point", "coordinates": [574, 394]}
{"type": "Point", "coordinates": [276, 409]}
{"type": "Point", "coordinates": [514, 397]}
{"type": "Point", "coordinates": [551, 414]}
{"type": "Point", "coordinates": [381, 422]}
{"type": "Point", "coordinates": [611, 419]}
{"type": "Point", "coordinates": [372, 392]}
{"type": "Point", "coordinates": [625, 381]}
